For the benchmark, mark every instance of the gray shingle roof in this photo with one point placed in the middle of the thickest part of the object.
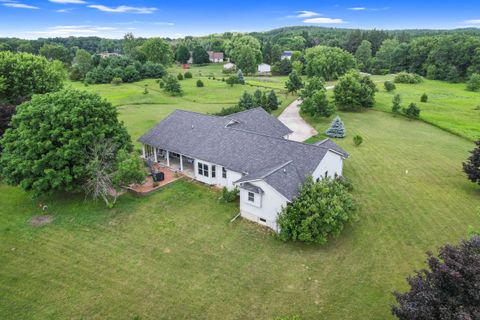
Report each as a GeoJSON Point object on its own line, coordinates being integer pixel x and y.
{"type": "Point", "coordinates": [282, 163]}
{"type": "Point", "coordinates": [327, 143]}
{"type": "Point", "coordinates": [260, 121]}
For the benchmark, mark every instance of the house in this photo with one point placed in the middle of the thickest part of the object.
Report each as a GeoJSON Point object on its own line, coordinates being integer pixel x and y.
{"type": "Point", "coordinates": [249, 150]}
{"type": "Point", "coordinates": [215, 56]}
{"type": "Point", "coordinates": [286, 55]}
{"type": "Point", "coordinates": [109, 54]}
{"type": "Point", "coordinates": [264, 68]}
{"type": "Point", "coordinates": [228, 66]}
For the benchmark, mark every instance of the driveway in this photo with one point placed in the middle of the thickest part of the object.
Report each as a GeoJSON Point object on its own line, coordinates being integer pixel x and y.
{"type": "Point", "coordinates": [292, 119]}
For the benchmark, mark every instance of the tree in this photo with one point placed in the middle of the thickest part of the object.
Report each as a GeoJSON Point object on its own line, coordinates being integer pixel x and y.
{"type": "Point", "coordinates": [282, 67]}
{"type": "Point", "coordinates": [237, 50]}
{"type": "Point", "coordinates": [232, 80]}
{"type": "Point", "coordinates": [389, 86]}
{"type": "Point", "coordinates": [6, 113]}
{"type": "Point", "coordinates": [200, 83]}
{"type": "Point", "coordinates": [384, 57]}
{"type": "Point", "coordinates": [171, 85]}
{"type": "Point", "coordinates": [424, 98]}
{"type": "Point", "coordinates": [364, 55]}
{"type": "Point", "coordinates": [448, 289]}
{"type": "Point", "coordinates": [267, 52]}
{"type": "Point", "coordinates": [45, 149]}
{"type": "Point", "coordinates": [396, 103]}
{"type": "Point", "coordinates": [317, 105]}
{"type": "Point", "coordinates": [200, 55]}
{"type": "Point", "coordinates": [322, 209]}
{"type": "Point", "coordinates": [272, 101]}
{"type": "Point", "coordinates": [354, 92]}
{"type": "Point", "coordinates": [473, 83]}
{"type": "Point", "coordinates": [412, 111]}
{"type": "Point", "coordinates": [294, 82]}
{"type": "Point", "coordinates": [258, 100]}
{"type": "Point", "coordinates": [315, 84]}
{"type": "Point", "coordinates": [240, 78]}
{"type": "Point", "coordinates": [337, 129]}
{"type": "Point", "coordinates": [56, 52]}
{"type": "Point", "coordinates": [472, 166]}
{"type": "Point", "coordinates": [157, 50]}
{"type": "Point", "coordinates": [328, 62]}
{"type": "Point", "coordinates": [82, 63]}
{"type": "Point", "coordinates": [129, 44]}
{"type": "Point", "coordinates": [246, 101]}
{"type": "Point", "coordinates": [23, 75]}
{"type": "Point", "coordinates": [246, 59]}
{"type": "Point", "coordinates": [182, 54]}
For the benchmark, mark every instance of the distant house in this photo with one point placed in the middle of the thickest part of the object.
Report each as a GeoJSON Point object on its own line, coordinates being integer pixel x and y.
{"type": "Point", "coordinates": [264, 68]}
{"type": "Point", "coordinates": [109, 54]}
{"type": "Point", "coordinates": [215, 56]}
{"type": "Point", "coordinates": [228, 66]}
{"type": "Point", "coordinates": [190, 60]}
{"type": "Point", "coordinates": [286, 55]}
{"type": "Point", "coordinates": [247, 150]}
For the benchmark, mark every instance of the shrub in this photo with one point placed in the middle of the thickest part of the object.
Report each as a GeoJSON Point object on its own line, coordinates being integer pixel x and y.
{"type": "Point", "coordinates": [161, 83]}
{"type": "Point", "coordinates": [473, 83]}
{"type": "Point", "coordinates": [357, 140]}
{"type": "Point", "coordinates": [322, 209]}
{"type": "Point", "coordinates": [318, 105]}
{"type": "Point", "coordinates": [200, 83]}
{"type": "Point", "coordinates": [116, 81]}
{"type": "Point", "coordinates": [230, 196]}
{"type": "Point", "coordinates": [409, 78]}
{"type": "Point", "coordinates": [472, 166]}
{"type": "Point", "coordinates": [448, 289]}
{"type": "Point", "coordinates": [188, 75]}
{"type": "Point", "coordinates": [180, 76]}
{"type": "Point", "coordinates": [389, 86]}
{"type": "Point", "coordinates": [424, 98]}
{"type": "Point", "coordinates": [412, 111]}
{"type": "Point", "coordinates": [172, 86]}
{"type": "Point", "coordinates": [240, 77]}
{"type": "Point", "coordinates": [145, 89]}
{"type": "Point", "coordinates": [396, 103]}
{"type": "Point", "coordinates": [337, 129]}
{"type": "Point", "coordinates": [354, 92]}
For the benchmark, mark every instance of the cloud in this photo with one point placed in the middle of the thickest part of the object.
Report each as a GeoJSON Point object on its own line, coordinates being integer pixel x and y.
{"type": "Point", "coordinates": [64, 10]}
{"type": "Point", "coordinates": [123, 9]}
{"type": "Point", "coordinates": [324, 21]}
{"type": "Point", "coordinates": [306, 14]}
{"type": "Point", "coordinates": [357, 8]}
{"type": "Point", "coordinates": [73, 30]}
{"type": "Point", "coordinates": [474, 21]}
{"type": "Point", "coordinates": [68, 1]}
{"type": "Point", "coordinates": [14, 4]}
{"type": "Point", "coordinates": [367, 9]}
{"type": "Point", "coordinates": [164, 23]}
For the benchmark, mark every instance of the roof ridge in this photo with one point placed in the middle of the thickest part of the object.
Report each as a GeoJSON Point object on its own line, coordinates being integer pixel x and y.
{"type": "Point", "coordinates": [275, 169]}
{"type": "Point", "coordinates": [244, 111]}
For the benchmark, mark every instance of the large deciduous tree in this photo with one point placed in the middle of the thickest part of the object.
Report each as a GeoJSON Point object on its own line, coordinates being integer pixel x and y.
{"type": "Point", "coordinates": [328, 62]}
{"type": "Point", "coordinates": [82, 64]}
{"type": "Point", "coordinates": [472, 166]}
{"type": "Point", "coordinates": [245, 50]}
{"type": "Point", "coordinates": [56, 52]}
{"type": "Point", "coordinates": [200, 55]}
{"type": "Point", "coordinates": [354, 92]}
{"type": "Point", "coordinates": [364, 55]}
{"type": "Point", "coordinates": [182, 54]}
{"type": "Point", "coordinates": [158, 50]}
{"type": "Point", "coordinates": [294, 82]}
{"type": "Point", "coordinates": [448, 289]}
{"type": "Point", "coordinates": [322, 209]}
{"type": "Point", "coordinates": [44, 150]}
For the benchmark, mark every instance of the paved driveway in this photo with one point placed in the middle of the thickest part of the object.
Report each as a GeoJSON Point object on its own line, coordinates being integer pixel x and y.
{"type": "Point", "coordinates": [292, 119]}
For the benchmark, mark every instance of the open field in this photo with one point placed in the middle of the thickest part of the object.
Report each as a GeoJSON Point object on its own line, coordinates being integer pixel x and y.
{"type": "Point", "coordinates": [173, 254]}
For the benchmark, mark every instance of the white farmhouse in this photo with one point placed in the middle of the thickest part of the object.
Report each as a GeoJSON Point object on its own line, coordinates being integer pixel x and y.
{"type": "Point", "coordinates": [249, 150]}
{"type": "Point", "coordinates": [286, 55]}
{"type": "Point", "coordinates": [264, 68]}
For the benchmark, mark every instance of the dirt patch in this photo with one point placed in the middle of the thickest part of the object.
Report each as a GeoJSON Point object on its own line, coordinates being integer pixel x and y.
{"type": "Point", "coordinates": [39, 221]}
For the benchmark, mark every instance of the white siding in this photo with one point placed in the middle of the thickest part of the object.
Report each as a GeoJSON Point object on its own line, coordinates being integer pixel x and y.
{"type": "Point", "coordinates": [232, 176]}
{"type": "Point", "coordinates": [331, 164]}
{"type": "Point", "coordinates": [268, 205]}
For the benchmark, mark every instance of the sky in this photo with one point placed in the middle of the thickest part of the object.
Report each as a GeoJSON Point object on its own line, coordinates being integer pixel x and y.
{"type": "Point", "coordinates": [31, 19]}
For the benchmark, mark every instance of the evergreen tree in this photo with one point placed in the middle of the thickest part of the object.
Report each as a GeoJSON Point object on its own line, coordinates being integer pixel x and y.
{"type": "Point", "coordinates": [396, 103]}
{"type": "Point", "coordinates": [337, 129]}
{"type": "Point", "coordinates": [412, 111]}
{"type": "Point", "coordinates": [258, 98]}
{"type": "Point", "coordinates": [171, 85]}
{"type": "Point", "coordinates": [472, 166]}
{"type": "Point", "coordinates": [272, 101]}
{"type": "Point", "coordinates": [294, 83]}
{"type": "Point", "coordinates": [246, 101]}
{"type": "Point", "coordinates": [240, 77]}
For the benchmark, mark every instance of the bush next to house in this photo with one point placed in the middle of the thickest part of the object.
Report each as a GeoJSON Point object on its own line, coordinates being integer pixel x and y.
{"type": "Point", "coordinates": [447, 289]}
{"type": "Point", "coordinates": [412, 111]}
{"type": "Point", "coordinates": [230, 196]}
{"type": "Point", "coordinates": [354, 92]}
{"type": "Point", "coordinates": [45, 150]}
{"type": "Point", "coordinates": [322, 209]}
{"type": "Point", "coordinates": [337, 129]}
{"type": "Point", "coordinates": [389, 86]}
{"type": "Point", "coordinates": [408, 78]}
{"type": "Point", "coordinates": [472, 166]}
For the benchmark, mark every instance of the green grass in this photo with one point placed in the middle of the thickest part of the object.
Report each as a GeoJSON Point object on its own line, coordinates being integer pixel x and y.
{"type": "Point", "coordinates": [174, 255]}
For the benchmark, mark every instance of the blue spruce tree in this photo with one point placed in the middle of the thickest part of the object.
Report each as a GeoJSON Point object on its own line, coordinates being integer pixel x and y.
{"type": "Point", "coordinates": [241, 80]}
{"type": "Point", "coordinates": [337, 129]}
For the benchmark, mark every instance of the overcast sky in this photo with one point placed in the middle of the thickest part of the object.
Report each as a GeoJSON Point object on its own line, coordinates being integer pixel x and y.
{"type": "Point", "coordinates": [113, 18]}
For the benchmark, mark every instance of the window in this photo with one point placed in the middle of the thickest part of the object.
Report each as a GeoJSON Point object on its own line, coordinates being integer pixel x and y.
{"type": "Point", "coordinates": [203, 169]}
{"type": "Point", "coordinates": [326, 174]}
{"type": "Point", "coordinates": [224, 173]}
{"type": "Point", "coordinates": [251, 196]}
{"type": "Point", "coordinates": [214, 174]}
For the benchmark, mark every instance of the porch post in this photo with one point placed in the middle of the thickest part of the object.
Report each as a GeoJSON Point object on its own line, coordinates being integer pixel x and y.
{"type": "Point", "coordinates": [181, 163]}
{"type": "Point", "coordinates": [143, 150]}
{"type": "Point", "coordinates": [155, 154]}
{"type": "Point", "coordinates": [168, 158]}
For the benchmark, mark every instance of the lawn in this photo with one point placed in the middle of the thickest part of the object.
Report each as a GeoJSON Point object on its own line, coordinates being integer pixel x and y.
{"type": "Point", "coordinates": [174, 254]}
{"type": "Point", "coordinates": [142, 111]}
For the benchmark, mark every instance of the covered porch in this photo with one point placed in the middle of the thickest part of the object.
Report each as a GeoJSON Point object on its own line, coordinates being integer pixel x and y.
{"type": "Point", "coordinates": [173, 160]}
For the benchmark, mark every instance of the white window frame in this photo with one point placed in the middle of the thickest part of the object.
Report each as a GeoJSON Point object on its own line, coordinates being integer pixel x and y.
{"type": "Point", "coordinates": [250, 193]}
